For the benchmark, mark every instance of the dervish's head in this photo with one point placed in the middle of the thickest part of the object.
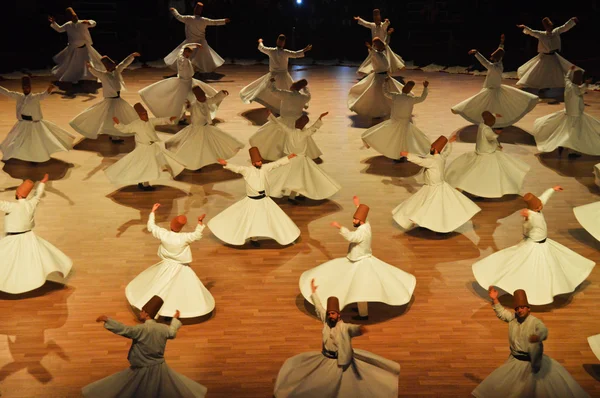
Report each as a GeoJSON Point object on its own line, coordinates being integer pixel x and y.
{"type": "Point", "coordinates": [150, 309]}
{"type": "Point", "coordinates": [187, 52]}
{"type": "Point", "coordinates": [360, 215]}
{"type": "Point", "coordinates": [24, 189]}
{"type": "Point", "coordinates": [26, 85]}
{"type": "Point", "coordinates": [255, 157]}
{"type": "Point", "coordinates": [108, 63]}
{"type": "Point", "coordinates": [408, 87]}
{"type": "Point", "coordinates": [333, 311]}
{"type": "Point", "coordinates": [280, 41]}
{"type": "Point", "coordinates": [521, 305]}
{"type": "Point", "coordinates": [497, 55]}
{"type": "Point", "coordinates": [301, 122]}
{"type": "Point", "coordinates": [71, 14]}
{"type": "Point", "coordinates": [198, 9]}
{"type": "Point", "coordinates": [378, 44]}
{"type": "Point", "coordinates": [577, 77]}
{"type": "Point", "coordinates": [141, 111]}
{"type": "Point", "coordinates": [548, 25]}
{"type": "Point", "coordinates": [377, 16]}
{"type": "Point", "coordinates": [438, 145]}
{"type": "Point", "coordinates": [178, 223]}
{"type": "Point", "coordinates": [488, 118]}
{"type": "Point", "coordinates": [199, 93]}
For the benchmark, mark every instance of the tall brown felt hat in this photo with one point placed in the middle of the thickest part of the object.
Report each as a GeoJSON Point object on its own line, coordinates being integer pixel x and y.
{"type": "Point", "coordinates": [533, 202]}
{"type": "Point", "coordinates": [177, 223]}
{"type": "Point", "coordinates": [333, 304]}
{"type": "Point", "coordinates": [361, 213]}
{"type": "Point", "coordinates": [255, 155]}
{"type": "Point", "coordinates": [197, 90]}
{"type": "Point", "coordinates": [71, 11]}
{"type": "Point", "coordinates": [153, 306]}
{"type": "Point", "coordinates": [25, 188]}
{"type": "Point", "coordinates": [439, 144]}
{"type": "Point", "coordinates": [520, 299]}
{"type": "Point", "coordinates": [26, 81]}
{"type": "Point", "coordinates": [139, 108]}
{"type": "Point", "coordinates": [198, 8]}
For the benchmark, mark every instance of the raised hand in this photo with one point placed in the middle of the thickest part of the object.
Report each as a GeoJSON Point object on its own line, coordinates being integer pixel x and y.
{"type": "Point", "coordinates": [45, 178]}
{"type": "Point", "coordinates": [50, 88]}
{"type": "Point", "coordinates": [272, 79]}
{"type": "Point", "coordinates": [177, 314]}
{"type": "Point", "coordinates": [575, 19]}
{"type": "Point", "coordinates": [390, 31]}
{"type": "Point", "coordinates": [313, 287]}
{"type": "Point", "coordinates": [502, 38]}
{"type": "Point", "coordinates": [356, 18]}
{"type": "Point", "coordinates": [88, 64]}
{"type": "Point", "coordinates": [172, 9]}
{"type": "Point", "coordinates": [116, 120]}
{"type": "Point", "coordinates": [355, 200]}
{"type": "Point", "coordinates": [368, 44]}
{"type": "Point", "coordinates": [225, 92]}
{"type": "Point", "coordinates": [493, 293]}
{"type": "Point", "coordinates": [363, 329]}
{"type": "Point", "coordinates": [227, 20]}
{"type": "Point", "coordinates": [534, 338]}
{"type": "Point", "coordinates": [155, 207]}
{"type": "Point", "coordinates": [102, 318]}
{"type": "Point", "coordinates": [520, 26]}
{"type": "Point", "coordinates": [425, 83]}
{"type": "Point", "coordinates": [525, 213]}
{"type": "Point", "coordinates": [336, 224]}
{"type": "Point", "coordinates": [473, 51]}
{"type": "Point", "coordinates": [308, 48]}
{"type": "Point", "coordinates": [323, 115]}
{"type": "Point", "coordinates": [51, 19]}
{"type": "Point", "coordinates": [453, 138]}
{"type": "Point", "coordinates": [557, 188]}
{"type": "Point", "coordinates": [222, 161]}
{"type": "Point", "coordinates": [260, 40]}
{"type": "Point", "coordinates": [136, 54]}
{"type": "Point", "coordinates": [498, 115]}
{"type": "Point", "coordinates": [85, 21]}
{"type": "Point", "coordinates": [200, 218]}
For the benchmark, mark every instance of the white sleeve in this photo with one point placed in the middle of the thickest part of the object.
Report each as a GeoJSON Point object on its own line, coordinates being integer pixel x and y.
{"type": "Point", "coordinates": [58, 28]}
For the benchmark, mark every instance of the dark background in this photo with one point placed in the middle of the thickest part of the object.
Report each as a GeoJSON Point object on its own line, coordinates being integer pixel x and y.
{"type": "Point", "coordinates": [426, 31]}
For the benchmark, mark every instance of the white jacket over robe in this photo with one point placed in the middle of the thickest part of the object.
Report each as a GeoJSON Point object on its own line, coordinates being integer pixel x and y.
{"type": "Point", "coordinates": [78, 33]}
{"type": "Point", "coordinates": [174, 246]}
{"type": "Point", "coordinates": [279, 57]}
{"type": "Point", "coordinates": [360, 242]}
{"type": "Point", "coordinates": [19, 215]}
{"type": "Point", "coordinates": [28, 105]}
{"type": "Point", "coordinates": [396, 63]}
{"type": "Point", "coordinates": [548, 42]}
{"type": "Point", "coordinates": [112, 82]}
{"type": "Point", "coordinates": [376, 30]}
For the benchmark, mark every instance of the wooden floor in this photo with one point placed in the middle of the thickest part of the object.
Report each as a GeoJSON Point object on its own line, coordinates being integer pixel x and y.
{"type": "Point", "coordinates": [447, 340]}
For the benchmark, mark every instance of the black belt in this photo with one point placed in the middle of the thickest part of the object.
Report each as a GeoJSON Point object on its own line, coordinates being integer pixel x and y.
{"type": "Point", "coordinates": [82, 46]}
{"type": "Point", "coordinates": [382, 73]}
{"type": "Point", "coordinates": [522, 356]}
{"type": "Point", "coordinates": [16, 233]}
{"type": "Point", "coordinates": [551, 53]}
{"type": "Point", "coordinates": [329, 354]}
{"type": "Point", "coordinates": [118, 95]}
{"type": "Point", "coordinates": [261, 196]}
{"type": "Point", "coordinates": [27, 117]}
{"type": "Point", "coordinates": [540, 241]}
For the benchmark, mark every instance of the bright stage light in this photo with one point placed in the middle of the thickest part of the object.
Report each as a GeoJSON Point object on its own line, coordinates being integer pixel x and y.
{"type": "Point", "coordinates": [298, 2]}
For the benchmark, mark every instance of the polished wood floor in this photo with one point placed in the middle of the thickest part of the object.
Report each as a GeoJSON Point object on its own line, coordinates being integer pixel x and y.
{"type": "Point", "coordinates": [446, 340]}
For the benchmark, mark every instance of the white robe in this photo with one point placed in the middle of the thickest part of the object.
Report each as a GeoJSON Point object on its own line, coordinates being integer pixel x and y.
{"type": "Point", "coordinates": [572, 127]}
{"type": "Point", "coordinates": [360, 276]}
{"type": "Point", "coordinates": [545, 70]}
{"type": "Point", "coordinates": [515, 378]}
{"type": "Point", "coordinates": [302, 175]}
{"type": "Point", "coordinates": [254, 218]}
{"type": "Point", "coordinates": [204, 59]}
{"type": "Point", "coordinates": [488, 172]}
{"type": "Point", "coordinates": [399, 133]}
{"type": "Point", "coordinates": [436, 206]}
{"type": "Point", "coordinates": [354, 374]}
{"type": "Point", "coordinates": [149, 375]}
{"type": "Point", "coordinates": [270, 138]}
{"type": "Point", "coordinates": [167, 97]}
{"type": "Point", "coordinates": [172, 279]}
{"type": "Point", "coordinates": [540, 266]}
{"type": "Point", "coordinates": [278, 69]}
{"type": "Point", "coordinates": [396, 62]}
{"type": "Point", "coordinates": [589, 218]}
{"type": "Point", "coordinates": [35, 140]}
{"type": "Point", "coordinates": [149, 161]}
{"type": "Point", "coordinates": [26, 260]}
{"type": "Point", "coordinates": [496, 97]}
{"type": "Point", "coordinates": [71, 62]}
{"type": "Point", "coordinates": [201, 143]}
{"type": "Point", "coordinates": [98, 119]}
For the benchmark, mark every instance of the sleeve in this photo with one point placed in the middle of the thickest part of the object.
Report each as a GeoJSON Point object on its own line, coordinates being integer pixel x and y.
{"type": "Point", "coordinates": [6, 207]}
{"type": "Point", "coordinates": [58, 28]}
{"type": "Point", "coordinates": [489, 134]}
{"type": "Point", "coordinates": [124, 128]}
{"type": "Point", "coordinates": [421, 161]}
{"type": "Point", "coordinates": [95, 72]}
{"type": "Point", "coordinates": [273, 165]}
{"type": "Point", "coordinates": [366, 24]}
{"type": "Point", "coordinates": [386, 24]}
{"type": "Point", "coordinates": [502, 313]}
{"type": "Point", "coordinates": [386, 91]}
{"type": "Point", "coordinates": [535, 33]}
{"type": "Point", "coordinates": [423, 95]}
{"type": "Point", "coordinates": [483, 60]}
{"type": "Point", "coordinates": [263, 49]}
{"type": "Point", "coordinates": [235, 168]}
{"type": "Point", "coordinates": [196, 235]}
{"type": "Point", "coordinates": [42, 95]}
{"type": "Point", "coordinates": [354, 237]}
{"type": "Point", "coordinates": [354, 330]}
{"type": "Point", "coordinates": [564, 28]}
{"type": "Point", "coordinates": [92, 23]}
{"type": "Point", "coordinates": [215, 22]}
{"type": "Point", "coordinates": [181, 18]}
{"type": "Point", "coordinates": [315, 127]}
{"type": "Point", "coordinates": [319, 307]}
{"type": "Point", "coordinates": [8, 93]}
{"type": "Point", "coordinates": [173, 328]}
{"type": "Point", "coordinates": [131, 332]}
{"type": "Point", "coordinates": [39, 192]}
{"type": "Point", "coordinates": [447, 150]}
{"type": "Point", "coordinates": [218, 97]}
{"type": "Point", "coordinates": [153, 228]}
{"type": "Point", "coordinates": [541, 330]}
{"type": "Point", "coordinates": [295, 54]}
{"type": "Point", "coordinates": [546, 195]}
{"type": "Point", "coordinates": [125, 63]}
{"type": "Point", "coordinates": [275, 120]}
{"type": "Point", "coordinates": [159, 121]}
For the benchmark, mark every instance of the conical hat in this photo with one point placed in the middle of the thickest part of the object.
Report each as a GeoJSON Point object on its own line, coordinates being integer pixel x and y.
{"type": "Point", "coordinates": [153, 306]}
{"type": "Point", "coordinates": [198, 8]}
{"type": "Point", "coordinates": [439, 144]}
{"type": "Point", "coordinates": [25, 188]}
{"type": "Point", "coordinates": [520, 299]}
{"type": "Point", "coordinates": [177, 223]}
{"type": "Point", "coordinates": [255, 155]}
{"type": "Point", "coordinates": [333, 304]}
{"type": "Point", "coordinates": [139, 108]}
{"type": "Point", "coordinates": [533, 202]}
{"type": "Point", "coordinates": [361, 212]}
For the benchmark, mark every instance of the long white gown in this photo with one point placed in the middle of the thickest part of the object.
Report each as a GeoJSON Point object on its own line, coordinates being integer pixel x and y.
{"type": "Point", "coordinates": [366, 97]}
{"type": "Point", "coordinates": [149, 376]}
{"type": "Point", "coordinates": [488, 172]}
{"type": "Point", "coordinates": [545, 70]}
{"type": "Point", "coordinates": [270, 138]}
{"type": "Point", "coordinates": [259, 218]}
{"type": "Point", "coordinates": [26, 260]}
{"type": "Point", "coordinates": [167, 97]}
{"type": "Point", "coordinates": [360, 276]}
{"type": "Point", "coordinates": [396, 62]}
{"type": "Point", "coordinates": [436, 206]}
{"type": "Point", "coordinates": [172, 279]}
{"type": "Point", "coordinates": [496, 98]}
{"type": "Point", "coordinates": [204, 59]}
{"type": "Point", "coordinates": [354, 374]}
{"type": "Point", "coordinates": [33, 140]}
{"type": "Point", "coordinates": [571, 127]}
{"type": "Point", "coordinates": [259, 91]}
{"type": "Point", "coordinates": [98, 119]}
{"type": "Point", "coordinates": [399, 133]}
{"type": "Point", "coordinates": [149, 161]}
{"type": "Point", "coordinates": [71, 61]}
{"type": "Point", "coordinates": [515, 378]}
{"type": "Point", "coordinates": [540, 266]}
{"type": "Point", "coordinates": [594, 342]}
{"type": "Point", "coordinates": [302, 175]}
{"type": "Point", "coordinates": [202, 143]}
{"type": "Point", "coordinates": [589, 218]}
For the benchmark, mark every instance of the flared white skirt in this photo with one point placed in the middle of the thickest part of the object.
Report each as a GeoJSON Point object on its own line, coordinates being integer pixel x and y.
{"type": "Point", "coordinates": [270, 141]}
{"type": "Point", "coordinates": [589, 218]}
{"type": "Point", "coordinates": [439, 208]}
{"type": "Point", "coordinates": [259, 91]}
{"type": "Point", "coordinates": [71, 64]}
{"type": "Point", "coordinates": [507, 101]}
{"type": "Point", "coordinates": [594, 342]}
{"type": "Point", "coordinates": [205, 59]}
{"type": "Point", "coordinates": [581, 133]}
{"type": "Point", "coordinates": [366, 97]}
{"type": "Point", "coordinates": [98, 119]}
{"type": "Point", "coordinates": [543, 71]}
{"type": "Point", "coordinates": [27, 261]}
{"type": "Point", "coordinates": [396, 63]}
{"type": "Point", "coordinates": [254, 218]}
{"type": "Point", "coordinates": [394, 136]}
{"type": "Point", "coordinates": [35, 141]}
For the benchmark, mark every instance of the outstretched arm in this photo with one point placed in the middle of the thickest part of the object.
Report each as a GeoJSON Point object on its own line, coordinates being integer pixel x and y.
{"type": "Point", "coordinates": [566, 27]}
{"type": "Point", "coordinates": [179, 17]}
{"type": "Point", "coordinates": [352, 236]}
{"type": "Point", "coordinates": [131, 332]}
{"type": "Point", "coordinates": [317, 302]}
{"type": "Point", "coordinates": [273, 165]}
{"type": "Point", "coordinates": [156, 231]}
{"type": "Point", "coordinates": [10, 94]}
{"type": "Point", "coordinates": [216, 22]}
{"type": "Point", "coordinates": [57, 27]}
{"type": "Point", "coordinates": [364, 23]}
{"type": "Point", "coordinates": [423, 95]}
{"type": "Point", "coordinates": [483, 61]}
{"type": "Point", "coordinates": [126, 62]}
{"type": "Point", "coordinates": [174, 326]}
{"type": "Point", "coordinates": [548, 194]}
{"type": "Point", "coordinates": [197, 234]}
{"type": "Point", "coordinates": [501, 312]}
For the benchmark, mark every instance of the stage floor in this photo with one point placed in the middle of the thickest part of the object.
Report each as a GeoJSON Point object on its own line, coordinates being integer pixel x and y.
{"type": "Point", "coordinates": [447, 340]}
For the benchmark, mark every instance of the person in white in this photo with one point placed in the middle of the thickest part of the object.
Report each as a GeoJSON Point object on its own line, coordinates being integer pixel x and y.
{"type": "Point", "coordinates": [279, 57]}
{"type": "Point", "coordinates": [205, 59]}
{"type": "Point", "coordinates": [572, 127]}
{"type": "Point", "coordinates": [270, 138]}
{"type": "Point", "coordinates": [589, 218]}
{"type": "Point", "coordinates": [149, 376]}
{"type": "Point", "coordinates": [302, 176]}
{"type": "Point", "coordinates": [150, 160]}
{"type": "Point", "coordinates": [339, 370]}
{"type": "Point", "coordinates": [360, 277]}
{"type": "Point", "coordinates": [488, 172]}
{"type": "Point", "coordinates": [539, 265]}
{"type": "Point", "coordinates": [32, 138]}
{"type": "Point", "coordinates": [98, 119]}
{"type": "Point", "coordinates": [379, 29]}
{"type": "Point", "coordinates": [172, 279]}
{"type": "Point", "coordinates": [528, 372]}
{"type": "Point", "coordinates": [367, 97]}
{"type": "Point", "coordinates": [71, 62]}
{"type": "Point", "coordinates": [202, 143]}
{"type": "Point", "coordinates": [436, 206]}
{"type": "Point", "coordinates": [546, 70]}
{"type": "Point", "coordinates": [256, 216]}
{"type": "Point", "coordinates": [26, 260]}
{"type": "Point", "coordinates": [399, 134]}
{"type": "Point", "coordinates": [168, 97]}
{"type": "Point", "coordinates": [496, 97]}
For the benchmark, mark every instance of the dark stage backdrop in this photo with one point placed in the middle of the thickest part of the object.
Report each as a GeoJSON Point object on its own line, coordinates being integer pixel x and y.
{"type": "Point", "coordinates": [427, 31]}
